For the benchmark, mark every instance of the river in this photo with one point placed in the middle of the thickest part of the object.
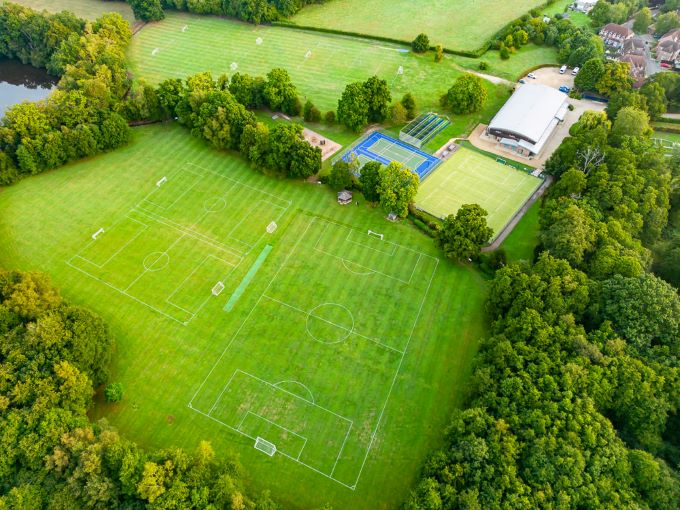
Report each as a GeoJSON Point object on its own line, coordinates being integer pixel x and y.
{"type": "Point", "coordinates": [20, 82]}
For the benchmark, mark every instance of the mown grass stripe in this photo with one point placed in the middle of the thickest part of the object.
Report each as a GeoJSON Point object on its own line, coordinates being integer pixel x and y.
{"type": "Point", "coordinates": [247, 278]}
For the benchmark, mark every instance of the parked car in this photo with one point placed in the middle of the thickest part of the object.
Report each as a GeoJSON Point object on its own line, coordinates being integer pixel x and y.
{"type": "Point", "coordinates": [575, 71]}
{"type": "Point", "coordinates": [563, 69]}
{"type": "Point", "coordinates": [565, 89]}
{"type": "Point", "coordinates": [522, 81]}
{"type": "Point", "coordinates": [531, 75]}
{"type": "Point", "coordinates": [665, 65]}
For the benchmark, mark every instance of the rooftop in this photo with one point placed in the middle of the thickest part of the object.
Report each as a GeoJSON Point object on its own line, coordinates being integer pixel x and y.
{"type": "Point", "coordinates": [530, 111]}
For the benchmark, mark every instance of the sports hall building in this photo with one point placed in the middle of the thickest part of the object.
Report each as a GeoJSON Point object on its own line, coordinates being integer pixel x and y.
{"type": "Point", "coordinates": [528, 119]}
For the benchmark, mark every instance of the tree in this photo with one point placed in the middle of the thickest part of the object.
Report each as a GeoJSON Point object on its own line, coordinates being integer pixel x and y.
{"type": "Point", "coordinates": [290, 154]}
{"type": "Point", "coordinates": [666, 22]}
{"type": "Point", "coordinates": [642, 20]}
{"type": "Point", "coordinates": [369, 179]}
{"type": "Point", "coordinates": [353, 107]}
{"type": "Point", "coordinates": [439, 53]}
{"type": "Point", "coordinates": [421, 43]}
{"type": "Point", "coordinates": [398, 188]}
{"type": "Point", "coordinates": [590, 74]}
{"type": "Point", "coordinates": [467, 95]}
{"type": "Point", "coordinates": [520, 37]}
{"type": "Point", "coordinates": [627, 98]}
{"type": "Point", "coordinates": [462, 236]}
{"type": "Point", "coordinates": [340, 176]}
{"type": "Point", "coordinates": [330, 117]}
{"type": "Point", "coordinates": [311, 112]}
{"type": "Point", "coordinates": [504, 52]}
{"type": "Point", "coordinates": [409, 103]}
{"type": "Point", "coordinates": [616, 78]}
{"type": "Point", "coordinates": [398, 114]}
{"type": "Point", "coordinates": [631, 122]}
{"type": "Point", "coordinates": [114, 392]}
{"type": "Point", "coordinates": [378, 97]}
{"type": "Point", "coordinates": [644, 310]}
{"type": "Point", "coordinates": [280, 93]}
{"type": "Point", "coordinates": [656, 99]}
{"type": "Point", "coordinates": [568, 232]}
{"type": "Point", "coordinates": [147, 10]}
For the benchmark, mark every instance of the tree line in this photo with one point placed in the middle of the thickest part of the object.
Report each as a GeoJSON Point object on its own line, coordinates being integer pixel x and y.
{"type": "Point", "coordinates": [253, 11]}
{"type": "Point", "coordinates": [217, 111]}
{"type": "Point", "coordinates": [52, 356]}
{"type": "Point", "coordinates": [79, 118]}
{"type": "Point", "coordinates": [574, 397]}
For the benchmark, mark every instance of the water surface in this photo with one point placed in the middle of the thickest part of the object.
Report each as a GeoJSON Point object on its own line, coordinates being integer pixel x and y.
{"type": "Point", "coordinates": [21, 82]}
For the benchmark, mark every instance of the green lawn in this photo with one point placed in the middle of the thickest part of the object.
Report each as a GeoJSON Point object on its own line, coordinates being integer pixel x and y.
{"type": "Point", "coordinates": [352, 392]}
{"type": "Point", "coordinates": [460, 25]}
{"type": "Point", "coordinates": [517, 65]}
{"type": "Point", "coordinates": [520, 244]}
{"type": "Point", "coordinates": [579, 19]}
{"type": "Point", "coordinates": [88, 9]}
{"type": "Point", "coordinates": [321, 65]}
{"type": "Point", "coordinates": [468, 177]}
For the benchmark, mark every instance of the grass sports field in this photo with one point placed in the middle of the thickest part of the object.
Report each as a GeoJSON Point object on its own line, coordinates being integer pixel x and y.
{"type": "Point", "coordinates": [471, 178]}
{"type": "Point", "coordinates": [460, 24]}
{"type": "Point", "coordinates": [321, 65]}
{"type": "Point", "coordinates": [89, 9]}
{"type": "Point", "coordinates": [353, 392]}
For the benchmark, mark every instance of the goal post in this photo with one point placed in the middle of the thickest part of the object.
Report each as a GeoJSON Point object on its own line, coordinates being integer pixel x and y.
{"type": "Point", "coordinates": [97, 233]}
{"type": "Point", "coordinates": [265, 446]}
{"type": "Point", "coordinates": [217, 288]}
{"type": "Point", "coordinates": [162, 181]}
{"type": "Point", "coordinates": [271, 228]}
{"type": "Point", "coordinates": [375, 234]}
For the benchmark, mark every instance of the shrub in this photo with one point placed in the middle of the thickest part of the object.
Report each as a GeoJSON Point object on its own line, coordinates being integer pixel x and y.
{"type": "Point", "coordinates": [330, 116]}
{"type": "Point", "coordinates": [505, 53]}
{"type": "Point", "coordinates": [421, 43]}
{"type": "Point", "coordinates": [114, 392]}
{"type": "Point", "coordinates": [483, 65]}
{"type": "Point", "coordinates": [439, 53]}
{"type": "Point", "coordinates": [409, 102]}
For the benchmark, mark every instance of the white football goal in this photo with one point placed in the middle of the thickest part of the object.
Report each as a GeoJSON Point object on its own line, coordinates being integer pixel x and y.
{"type": "Point", "coordinates": [265, 446]}
{"type": "Point", "coordinates": [376, 234]}
{"type": "Point", "coordinates": [218, 287]}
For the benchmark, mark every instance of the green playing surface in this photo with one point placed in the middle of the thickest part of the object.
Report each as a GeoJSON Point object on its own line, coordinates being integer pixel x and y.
{"type": "Point", "coordinates": [346, 351]}
{"type": "Point", "coordinates": [468, 177]}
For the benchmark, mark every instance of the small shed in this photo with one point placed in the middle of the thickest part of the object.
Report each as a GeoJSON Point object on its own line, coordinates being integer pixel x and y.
{"type": "Point", "coordinates": [344, 197]}
{"type": "Point", "coordinates": [392, 217]}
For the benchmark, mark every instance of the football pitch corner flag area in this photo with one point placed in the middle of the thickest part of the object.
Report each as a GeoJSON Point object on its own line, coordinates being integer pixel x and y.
{"type": "Point", "coordinates": [281, 380]}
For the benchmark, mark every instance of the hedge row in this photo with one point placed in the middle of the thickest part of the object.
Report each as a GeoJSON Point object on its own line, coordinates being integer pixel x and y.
{"type": "Point", "coordinates": [666, 127]}
{"type": "Point", "coordinates": [287, 24]}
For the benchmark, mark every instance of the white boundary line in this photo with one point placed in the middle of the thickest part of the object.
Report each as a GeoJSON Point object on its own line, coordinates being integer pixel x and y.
{"type": "Point", "coordinates": [394, 379]}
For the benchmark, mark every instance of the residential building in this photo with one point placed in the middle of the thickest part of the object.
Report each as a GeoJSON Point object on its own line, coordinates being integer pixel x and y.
{"type": "Point", "coordinates": [638, 68]}
{"type": "Point", "coordinates": [615, 35]}
{"type": "Point", "coordinates": [584, 5]}
{"type": "Point", "coordinates": [668, 48]}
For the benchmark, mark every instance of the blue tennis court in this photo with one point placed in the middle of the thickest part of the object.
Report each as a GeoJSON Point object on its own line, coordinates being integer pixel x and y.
{"type": "Point", "coordinates": [385, 149]}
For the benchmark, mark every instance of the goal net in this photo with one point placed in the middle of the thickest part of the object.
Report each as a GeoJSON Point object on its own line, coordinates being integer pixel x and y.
{"type": "Point", "coordinates": [265, 446]}
{"type": "Point", "coordinates": [271, 227]}
{"type": "Point", "coordinates": [219, 287]}
{"type": "Point", "coordinates": [375, 234]}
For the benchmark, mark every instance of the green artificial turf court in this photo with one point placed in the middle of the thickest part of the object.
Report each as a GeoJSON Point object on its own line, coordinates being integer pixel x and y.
{"type": "Point", "coordinates": [345, 351]}
{"type": "Point", "coordinates": [468, 177]}
{"type": "Point", "coordinates": [459, 25]}
{"type": "Point", "coordinates": [320, 65]}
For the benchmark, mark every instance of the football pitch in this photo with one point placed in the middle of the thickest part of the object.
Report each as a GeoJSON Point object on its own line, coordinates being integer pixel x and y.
{"type": "Point", "coordinates": [459, 24]}
{"type": "Point", "coordinates": [468, 177]}
{"type": "Point", "coordinates": [322, 345]}
{"type": "Point", "coordinates": [320, 65]}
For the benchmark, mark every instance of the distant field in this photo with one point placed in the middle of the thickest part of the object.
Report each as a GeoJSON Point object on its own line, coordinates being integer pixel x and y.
{"type": "Point", "coordinates": [472, 178]}
{"type": "Point", "coordinates": [513, 68]}
{"type": "Point", "coordinates": [347, 351]}
{"type": "Point", "coordinates": [456, 24]}
{"type": "Point", "coordinates": [320, 64]}
{"type": "Point", "coordinates": [88, 9]}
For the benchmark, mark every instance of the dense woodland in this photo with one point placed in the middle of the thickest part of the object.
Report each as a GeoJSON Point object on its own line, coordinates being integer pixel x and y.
{"type": "Point", "coordinates": [575, 396]}
{"type": "Point", "coordinates": [52, 355]}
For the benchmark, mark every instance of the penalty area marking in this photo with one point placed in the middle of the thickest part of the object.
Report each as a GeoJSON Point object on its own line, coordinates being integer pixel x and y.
{"type": "Point", "coordinates": [290, 381]}
{"type": "Point", "coordinates": [360, 273]}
